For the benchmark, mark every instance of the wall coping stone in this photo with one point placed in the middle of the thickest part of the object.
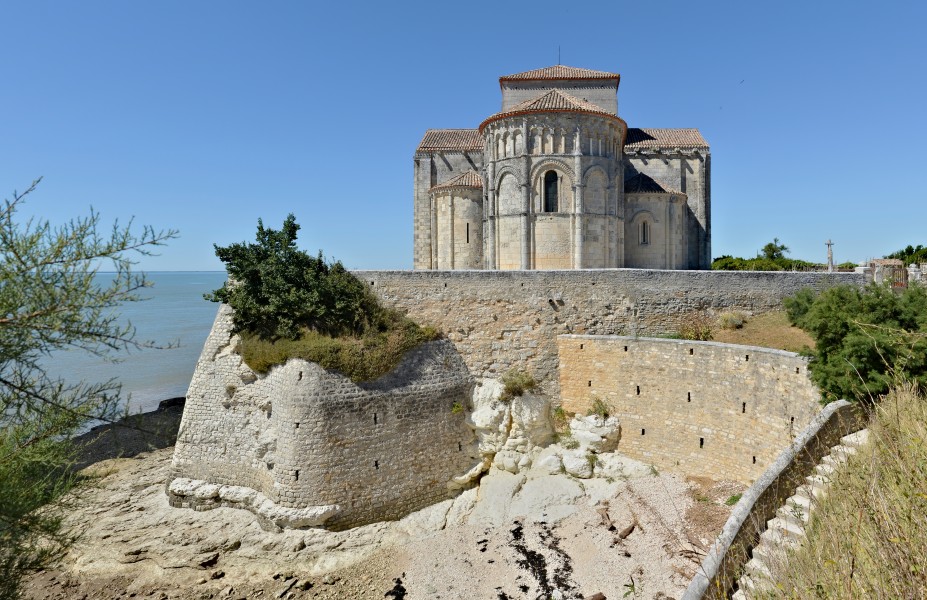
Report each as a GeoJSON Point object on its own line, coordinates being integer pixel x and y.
{"type": "Point", "coordinates": [758, 504]}
{"type": "Point", "coordinates": [678, 342]}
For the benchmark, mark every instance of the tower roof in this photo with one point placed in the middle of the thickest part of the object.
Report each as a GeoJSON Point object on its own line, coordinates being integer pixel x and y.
{"type": "Point", "coordinates": [451, 140]}
{"type": "Point", "coordinates": [553, 101]}
{"type": "Point", "coordinates": [561, 72]}
{"type": "Point", "coordinates": [470, 179]}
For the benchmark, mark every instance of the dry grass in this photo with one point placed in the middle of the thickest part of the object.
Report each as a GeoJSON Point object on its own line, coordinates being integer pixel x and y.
{"type": "Point", "coordinates": [360, 358]}
{"type": "Point", "coordinates": [768, 330]}
{"type": "Point", "coordinates": [868, 537]}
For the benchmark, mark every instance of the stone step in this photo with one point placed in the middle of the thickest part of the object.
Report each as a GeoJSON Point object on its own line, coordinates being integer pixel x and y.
{"type": "Point", "coordinates": [856, 440]}
{"type": "Point", "coordinates": [825, 469]}
{"type": "Point", "coordinates": [813, 493]}
{"type": "Point", "coordinates": [844, 452]}
{"type": "Point", "coordinates": [739, 595]}
{"type": "Point", "coordinates": [801, 502]}
{"type": "Point", "coordinates": [818, 480]}
{"type": "Point", "coordinates": [787, 529]}
{"type": "Point", "coordinates": [757, 572]}
{"type": "Point", "coordinates": [794, 514]}
{"type": "Point", "coordinates": [833, 461]}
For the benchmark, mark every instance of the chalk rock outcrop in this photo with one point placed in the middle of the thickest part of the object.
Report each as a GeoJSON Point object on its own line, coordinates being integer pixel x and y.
{"type": "Point", "coordinates": [316, 447]}
{"type": "Point", "coordinates": [596, 433]}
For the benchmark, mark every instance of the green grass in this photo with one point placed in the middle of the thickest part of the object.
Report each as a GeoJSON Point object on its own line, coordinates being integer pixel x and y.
{"type": "Point", "coordinates": [868, 537]}
{"type": "Point", "coordinates": [362, 358]}
{"type": "Point", "coordinates": [515, 383]}
{"type": "Point", "coordinates": [768, 330]}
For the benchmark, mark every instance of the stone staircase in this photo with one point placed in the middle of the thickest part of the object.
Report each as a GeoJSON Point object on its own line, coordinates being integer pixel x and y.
{"type": "Point", "coordinates": [786, 530]}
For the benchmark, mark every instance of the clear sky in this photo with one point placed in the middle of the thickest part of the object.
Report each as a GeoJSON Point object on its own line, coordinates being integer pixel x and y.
{"type": "Point", "coordinates": [204, 116]}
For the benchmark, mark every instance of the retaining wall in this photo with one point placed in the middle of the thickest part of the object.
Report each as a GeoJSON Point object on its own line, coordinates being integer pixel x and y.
{"type": "Point", "coordinates": [725, 562]}
{"type": "Point", "coordinates": [304, 437]}
{"type": "Point", "coordinates": [504, 319]}
{"type": "Point", "coordinates": [700, 408]}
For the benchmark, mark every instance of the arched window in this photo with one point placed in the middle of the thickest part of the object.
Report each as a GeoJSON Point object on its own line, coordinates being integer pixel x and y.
{"type": "Point", "coordinates": [645, 233]}
{"type": "Point", "coordinates": [550, 191]}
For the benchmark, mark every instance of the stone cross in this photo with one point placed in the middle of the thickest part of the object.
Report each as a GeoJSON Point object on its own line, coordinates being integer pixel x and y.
{"type": "Point", "coordinates": [830, 256]}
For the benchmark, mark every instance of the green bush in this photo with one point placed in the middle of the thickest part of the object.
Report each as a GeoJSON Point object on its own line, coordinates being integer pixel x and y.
{"type": "Point", "coordinates": [515, 383]}
{"type": "Point", "coordinates": [288, 304]}
{"type": "Point", "coordinates": [732, 320]}
{"type": "Point", "coordinates": [600, 408]}
{"type": "Point", "coordinates": [866, 340]}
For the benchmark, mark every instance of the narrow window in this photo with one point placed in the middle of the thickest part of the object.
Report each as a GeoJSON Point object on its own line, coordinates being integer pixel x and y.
{"type": "Point", "coordinates": [691, 351]}
{"type": "Point", "coordinates": [643, 431]}
{"type": "Point", "coordinates": [550, 191]}
{"type": "Point", "coordinates": [747, 359]}
{"type": "Point", "coordinates": [796, 370]}
{"type": "Point", "coordinates": [580, 346]}
{"type": "Point", "coordinates": [743, 407]}
{"type": "Point", "coordinates": [376, 465]}
{"type": "Point", "coordinates": [701, 442]}
{"type": "Point", "coordinates": [459, 447]}
{"type": "Point", "coordinates": [468, 233]}
{"type": "Point", "coordinates": [296, 475]}
{"type": "Point", "coordinates": [792, 422]}
{"type": "Point", "coordinates": [688, 396]}
{"type": "Point", "coordinates": [297, 426]}
{"type": "Point", "coordinates": [638, 390]}
{"type": "Point", "coordinates": [754, 460]}
{"type": "Point", "coordinates": [374, 418]}
{"type": "Point", "coordinates": [589, 384]}
{"type": "Point", "coordinates": [625, 348]}
{"type": "Point", "coordinates": [645, 233]}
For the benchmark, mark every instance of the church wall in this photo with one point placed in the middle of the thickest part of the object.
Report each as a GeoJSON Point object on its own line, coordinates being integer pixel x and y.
{"type": "Point", "coordinates": [504, 319]}
{"type": "Point", "coordinates": [468, 230]}
{"type": "Point", "coordinates": [663, 249]}
{"type": "Point", "coordinates": [603, 96]}
{"type": "Point", "coordinates": [552, 241]}
{"type": "Point", "coordinates": [444, 241]}
{"type": "Point", "coordinates": [596, 244]}
{"type": "Point", "coordinates": [508, 254]}
{"type": "Point", "coordinates": [687, 174]}
{"type": "Point", "coordinates": [431, 169]}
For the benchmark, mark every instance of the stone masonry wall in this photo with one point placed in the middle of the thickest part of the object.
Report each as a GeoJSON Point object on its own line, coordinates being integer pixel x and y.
{"type": "Point", "coordinates": [305, 437]}
{"type": "Point", "coordinates": [700, 408]}
{"type": "Point", "coordinates": [504, 319]}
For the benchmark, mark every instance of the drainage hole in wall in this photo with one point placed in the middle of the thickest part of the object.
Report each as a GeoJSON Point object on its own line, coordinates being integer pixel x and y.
{"type": "Point", "coordinates": [747, 359]}
{"type": "Point", "coordinates": [743, 407]}
{"type": "Point", "coordinates": [270, 466]}
{"type": "Point", "coordinates": [445, 285]}
{"type": "Point", "coordinates": [625, 348]}
{"type": "Point", "coordinates": [754, 460]}
{"type": "Point", "coordinates": [792, 422]}
{"type": "Point", "coordinates": [296, 425]}
{"type": "Point", "coordinates": [688, 396]}
{"type": "Point", "coordinates": [691, 351]}
{"type": "Point", "coordinates": [371, 283]}
{"type": "Point", "coordinates": [459, 447]}
{"type": "Point", "coordinates": [374, 418]}
{"type": "Point", "coordinates": [589, 384]}
{"type": "Point", "coordinates": [638, 390]}
{"type": "Point", "coordinates": [797, 370]}
{"type": "Point", "coordinates": [300, 378]}
{"type": "Point", "coordinates": [643, 431]}
{"type": "Point", "coordinates": [580, 346]}
{"type": "Point", "coordinates": [296, 475]}
{"type": "Point", "coordinates": [376, 465]}
{"type": "Point", "coordinates": [701, 442]}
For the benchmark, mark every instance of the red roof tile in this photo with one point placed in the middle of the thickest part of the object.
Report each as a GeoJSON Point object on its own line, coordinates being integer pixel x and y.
{"type": "Point", "coordinates": [470, 179]}
{"type": "Point", "coordinates": [560, 72]}
{"type": "Point", "coordinates": [450, 140]}
{"type": "Point", "coordinates": [664, 138]}
{"type": "Point", "coordinates": [552, 101]}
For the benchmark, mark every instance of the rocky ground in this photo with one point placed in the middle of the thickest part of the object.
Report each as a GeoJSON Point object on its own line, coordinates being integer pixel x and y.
{"type": "Point", "coordinates": [527, 535]}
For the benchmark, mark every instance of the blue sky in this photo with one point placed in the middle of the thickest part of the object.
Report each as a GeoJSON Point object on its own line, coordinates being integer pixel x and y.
{"type": "Point", "coordinates": [204, 116]}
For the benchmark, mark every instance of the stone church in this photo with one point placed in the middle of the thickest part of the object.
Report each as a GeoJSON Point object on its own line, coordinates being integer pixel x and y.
{"type": "Point", "coordinates": [557, 180]}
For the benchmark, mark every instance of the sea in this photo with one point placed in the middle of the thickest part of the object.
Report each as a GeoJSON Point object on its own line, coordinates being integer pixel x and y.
{"type": "Point", "coordinates": [173, 313]}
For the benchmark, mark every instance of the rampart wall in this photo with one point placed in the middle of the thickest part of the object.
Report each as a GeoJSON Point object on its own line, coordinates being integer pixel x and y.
{"type": "Point", "coordinates": [504, 319]}
{"type": "Point", "coordinates": [317, 447]}
{"type": "Point", "coordinates": [698, 408]}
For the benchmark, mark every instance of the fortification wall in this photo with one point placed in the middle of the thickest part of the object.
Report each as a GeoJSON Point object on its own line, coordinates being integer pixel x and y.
{"type": "Point", "coordinates": [306, 438]}
{"type": "Point", "coordinates": [504, 319]}
{"type": "Point", "coordinates": [699, 408]}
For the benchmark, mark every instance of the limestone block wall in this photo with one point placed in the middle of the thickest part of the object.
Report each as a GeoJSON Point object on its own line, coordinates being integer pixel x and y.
{"type": "Point", "coordinates": [700, 408]}
{"type": "Point", "coordinates": [504, 319]}
{"type": "Point", "coordinates": [305, 437]}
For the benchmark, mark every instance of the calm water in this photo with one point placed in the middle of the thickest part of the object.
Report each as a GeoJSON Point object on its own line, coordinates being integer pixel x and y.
{"type": "Point", "coordinates": [174, 313]}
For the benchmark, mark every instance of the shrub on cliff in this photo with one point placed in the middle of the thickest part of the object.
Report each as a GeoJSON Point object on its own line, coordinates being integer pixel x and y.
{"type": "Point", "coordinates": [289, 304]}
{"type": "Point", "coordinates": [866, 340]}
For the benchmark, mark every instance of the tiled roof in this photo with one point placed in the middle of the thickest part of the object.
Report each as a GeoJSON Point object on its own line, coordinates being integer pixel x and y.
{"type": "Point", "coordinates": [644, 184]}
{"type": "Point", "coordinates": [469, 179]}
{"type": "Point", "coordinates": [559, 72]}
{"type": "Point", "coordinates": [451, 140]}
{"type": "Point", "coordinates": [552, 101]}
{"type": "Point", "coordinates": [664, 138]}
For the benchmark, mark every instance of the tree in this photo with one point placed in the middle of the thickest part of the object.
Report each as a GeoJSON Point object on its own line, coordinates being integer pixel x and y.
{"type": "Point", "coordinates": [866, 340]}
{"type": "Point", "coordinates": [53, 298]}
{"type": "Point", "coordinates": [774, 250]}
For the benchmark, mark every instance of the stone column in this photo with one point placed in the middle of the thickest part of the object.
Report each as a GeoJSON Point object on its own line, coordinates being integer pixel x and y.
{"type": "Point", "coordinates": [525, 225]}
{"type": "Point", "coordinates": [579, 220]}
{"type": "Point", "coordinates": [490, 211]}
